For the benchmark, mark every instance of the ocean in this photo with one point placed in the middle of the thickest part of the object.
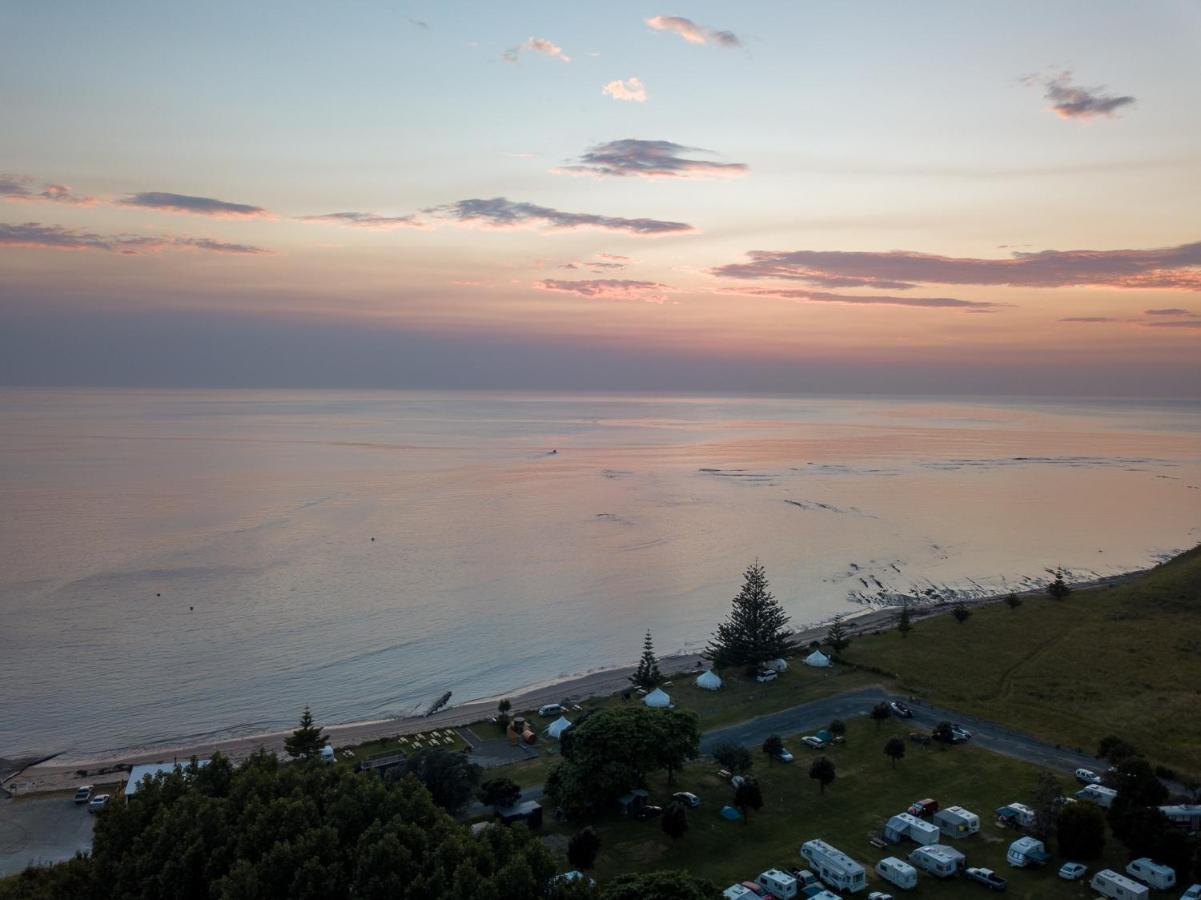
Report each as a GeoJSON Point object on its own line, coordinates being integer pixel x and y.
{"type": "Point", "coordinates": [186, 564]}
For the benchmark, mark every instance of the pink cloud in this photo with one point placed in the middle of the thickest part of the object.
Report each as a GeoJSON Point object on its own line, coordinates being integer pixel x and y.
{"type": "Point", "coordinates": [805, 296]}
{"type": "Point", "coordinates": [500, 212]}
{"type": "Point", "coordinates": [33, 235]}
{"type": "Point", "coordinates": [609, 289]}
{"type": "Point", "coordinates": [1070, 101]}
{"type": "Point", "coordinates": [367, 220]}
{"type": "Point", "coordinates": [631, 157]}
{"type": "Point", "coordinates": [23, 189]}
{"type": "Point", "coordinates": [536, 45]}
{"type": "Point", "coordinates": [197, 206]}
{"type": "Point", "coordinates": [693, 32]}
{"type": "Point", "coordinates": [631, 90]}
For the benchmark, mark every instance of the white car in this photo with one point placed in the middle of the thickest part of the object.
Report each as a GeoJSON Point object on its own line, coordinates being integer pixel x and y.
{"type": "Point", "coordinates": [83, 793]}
{"type": "Point", "coordinates": [1193, 893]}
{"type": "Point", "coordinates": [785, 755]}
{"type": "Point", "coordinates": [1087, 776]}
{"type": "Point", "coordinates": [815, 742]}
{"type": "Point", "coordinates": [767, 675]}
{"type": "Point", "coordinates": [687, 798]}
{"type": "Point", "coordinates": [550, 709]}
{"type": "Point", "coordinates": [878, 895]}
{"type": "Point", "coordinates": [1072, 871]}
{"type": "Point", "coordinates": [97, 803]}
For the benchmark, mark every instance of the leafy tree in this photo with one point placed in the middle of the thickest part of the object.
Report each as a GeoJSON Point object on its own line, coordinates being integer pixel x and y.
{"type": "Point", "coordinates": [1045, 803]}
{"type": "Point", "coordinates": [674, 821]}
{"type": "Point", "coordinates": [668, 885]}
{"type": "Point", "coordinates": [837, 637]}
{"type": "Point", "coordinates": [838, 728]}
{"type": "Point", "coordinates": [1142, 829]}
{"type": "Point", "coordinates": [647, 675]}
{"type": "Point", "coordinates": [961, 612]}
{"type": "Point", "coordinates": [773, 746]}
{"type": "Point", "coordinates": [1058, 589]}
{"type": "Point", "coordinates": [307, 740]}
{"type": "Point", "coordinates": [748, 796]}
{"type": "Point", "coordinates": [1012, 600]}
{"type": "Point", "coordinates": [822, 771]}
{"type": "Point", "coordinates": [880, 713]}
{"type": "Point", "coordinates": [1080, 830]}
{"type": "Point", "coordinates": [733, 757]}
{"type": "Point", "coordinates": [499, 792]}
{"type": "Point", "coordinates": [502, 713]}
{"type": "Point", "coordinates": [1136, 783]}
{"type": "Point", "coordinates": [904, 621]}
{"type": "Point", "coordinates": [450, 777]}
{"type": "Point", "coordinates": [583, 848]}
{"type": "Point", "coordinates": [756, 629]}
{"type": "Point", "coordinates": [1115, 749]}
{"type": "Point", "coordinates": [894, 748]}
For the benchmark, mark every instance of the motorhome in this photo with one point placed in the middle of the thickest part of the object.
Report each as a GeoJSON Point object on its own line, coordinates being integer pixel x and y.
{"type": "Point", "coordinates": [834, 867]}
{"type": "Point", "coordinates": [898, 872]}
{"type": "Point", "coordinates": [1109, 883]}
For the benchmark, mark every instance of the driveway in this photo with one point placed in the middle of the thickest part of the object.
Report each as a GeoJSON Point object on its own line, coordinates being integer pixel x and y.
{"type": "Point", "coordinates": [41, 830]}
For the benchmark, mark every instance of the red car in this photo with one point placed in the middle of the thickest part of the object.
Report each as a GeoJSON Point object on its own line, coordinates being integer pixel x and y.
{"type": "Point", "coordinates": [758, 890]}
{"type": "Point", "coordinates": [923, 808]}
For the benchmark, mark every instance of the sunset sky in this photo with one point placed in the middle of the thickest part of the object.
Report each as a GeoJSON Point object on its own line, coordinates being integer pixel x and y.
{"type": "Point", "coordinates": [783, 196]}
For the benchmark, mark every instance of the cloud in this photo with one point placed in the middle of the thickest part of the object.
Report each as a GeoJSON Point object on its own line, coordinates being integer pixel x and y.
{"type": "Point", "coordinates": [693, 32]}
{"type": "Point", "coordinates": [803, 296]}
{"type": "Point", "coordinates": [609, 289]}
{"type": "Point", "coordinates": [367, 220]}
{"type": "Point", "coordinates": [500, 212]}
{"type": "Point", "coordinates": [1166, 267]}
{"type": "Point", "coordinates": [631, 90]}
{"type": "Point", "coordinates": [1069, 101]}
{"type": "Point", "coordinates": [649, 159]}
{"type": "Point", "coordinates": [537, 45]}
{"type": "Point", "coordinates": [1171, 311]}
{"type": "Point", "coordinates": [22, 188]}
{"type": "Point", "coordinates": [1182, 323]}
{"type": "Point", "coordinates": [54, 237]}
{"type": "Point", "coordinates": [418, 23]}
{"type": "Point", "coordinates": [199, 206]}
{"type": "Point", "coordinates": [605, 262]}
{"type": "Point", "coordinates": [1091, 319]}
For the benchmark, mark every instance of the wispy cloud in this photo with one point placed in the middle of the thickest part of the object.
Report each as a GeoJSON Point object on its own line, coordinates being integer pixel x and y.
{"type": "Point", "coordinates": [1182, 323]}
{"type": "Point", "coordinates": [804, 296]}
{"type": "Point", "coordinates": [649, 159]}
{"type": "Point", "coordinates": [54, 237]}
{"type": "Point", "coordinates": [609, 289]}
{"type": "Point", "coordinates": [1091, 319]}
{"type": "Point", "coordinates": [693, 32]}
{"type": "Point", "coordinates": [198, 206]}
{"type": "Point", "coordinates": [1169, 311]}
{"type": "Point", "coordinates": [1167, 267]}
{"type": "Point", "coordinates": [418, 23]}
{"type": "Point", "coordinates": [535, 45]}
{"type": "Point", "coordinates": [24, 189]}
{"type": "Point", "coordinates": [1072, 101]}
{"type": "Point", "coordinates": [367, 220]}
{"type": "Point", "coordinates": [500, 212]}
{"type": "Point", "coordinates": [631, 90]}
{"type": "Point", "coordinates": [605, 262]}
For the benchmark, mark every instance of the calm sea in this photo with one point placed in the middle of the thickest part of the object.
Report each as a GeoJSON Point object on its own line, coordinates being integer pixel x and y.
{"type": "Point", "coordinates": [184, 563]}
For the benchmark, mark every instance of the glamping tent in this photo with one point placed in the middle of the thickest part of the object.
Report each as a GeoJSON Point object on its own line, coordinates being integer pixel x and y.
{"type": "Point", "coordinates": [817, 658]}
{"type": "Point", "coordinates": [657, 698]}
{"type": "Point", "coordinates": [709, 680]}
{"type": "Point", "coordinates": [777, 665]}
{"type": "Point", "coordinates": [556, 728]}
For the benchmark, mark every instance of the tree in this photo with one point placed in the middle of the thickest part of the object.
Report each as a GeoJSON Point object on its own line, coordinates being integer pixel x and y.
{"type": "Point", "coordinates": [450, 777]}
{"type": "Point", "coordinates": [756, 629]}
{"type": "Point", "coordinates": [674, 821]}
{"type": "Point", "coordinates": [499, 792]}
{"type": "Point", "coordinates": [1080, 830]}
{"type": "Point", "coordinates": [961, 612]}
{"type": "Point", "coordinates": [1136, 783]}
{"type": "Point", "coordinates": [880, 713]}
{"type": "Point", "coordinates": [1058, 589]}
{"type": "Point", "coordinates": [502, 713]}
{"type": "Point", "coordinates": [748, 796]}
{"type": "Point", "coordinates": [1045, 803]}
{"type": "Point", "coordinates": [894, 748]}
{"type": "Point", "coordinates": [904, 623]}
{"type": "Point", "coordinates": [822, 771]}
{"type": "Point", "coordinates": [667, 885]}
{"type": "Point", "coordinates": [773, 747]}
{"type": "Point", "coordinates": [837, 637]}
{"type": "Point", "coordinates": [1115, 749]}
{"type": "Point", "coordinates": [583, 848]}
{"type": "Point", "coordinates": [647, 675]}
{"type": "Point", "coordinates": [1012, 600]}
{"type": "Point", "coordinates": [838, 728]}
{"type": "Point", "coordinates": [735, 758]}
{"type": "Point", "coordinates": [307, 740]}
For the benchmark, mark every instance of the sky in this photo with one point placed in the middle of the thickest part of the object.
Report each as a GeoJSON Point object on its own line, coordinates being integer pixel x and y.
{"type": "Point", "coordinates": [933, 197]}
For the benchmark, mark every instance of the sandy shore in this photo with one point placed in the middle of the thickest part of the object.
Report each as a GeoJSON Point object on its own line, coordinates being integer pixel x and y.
{"type": "Point", "coordinates": [59, 773]}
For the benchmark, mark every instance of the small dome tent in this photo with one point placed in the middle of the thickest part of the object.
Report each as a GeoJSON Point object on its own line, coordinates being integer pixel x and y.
{"type": "Point", "coordinates": [777, 665]}
{"type": "Point", "coordinates": [709, 680]}
{"type": "Point", "coordinates": [556, 728]}
{"type": "Point", "coordinates": [817, 658]}
{"type": "Point", "coordinates": [657, 698]}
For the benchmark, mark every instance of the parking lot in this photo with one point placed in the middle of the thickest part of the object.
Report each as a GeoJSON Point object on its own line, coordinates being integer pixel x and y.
{"type": "Point", "coordinates": [41, 830]}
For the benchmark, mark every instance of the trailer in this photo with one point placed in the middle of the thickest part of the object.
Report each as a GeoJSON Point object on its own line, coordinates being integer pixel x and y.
{"type": "Point", "coordinates": [937, 859]}
{"type": "Point", "coordinates": [1098, 793]}
{"type": "Point", "coordinates": [834, 867]}
{"type": "Point", "coordinates": [1109, 883]}
{"type": "Point", "coordinates": [778, 883]}
{"type": "Point", "coordinates": [897, 871]}
{"type": "Point", "coordinates": [955, 822]}
{"type": "Point", "coordinates": [1015, 815]}
{"type": "Point", "coordinates": [1026, 852]}
{"type": "Point", "coordinates": [905, 825]}
{"type": "Point", "coordinates": [1155, 874]}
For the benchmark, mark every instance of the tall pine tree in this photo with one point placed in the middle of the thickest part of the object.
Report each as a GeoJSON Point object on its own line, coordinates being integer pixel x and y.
{"type": "Point", "coordinates": [307, 740]}
{"type": "Point", "coordinates": [647, 675]}
{"type": "Point", "coordinates": [757, 628]}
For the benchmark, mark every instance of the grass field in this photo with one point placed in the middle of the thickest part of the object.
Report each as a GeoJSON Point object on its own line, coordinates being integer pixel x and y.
{"type": "Point", "coordinates": [446, 739]}
{"type": "Point", "coordinates": [866, 792]}
{"type": "Point", "coordinates": [1123, 660]}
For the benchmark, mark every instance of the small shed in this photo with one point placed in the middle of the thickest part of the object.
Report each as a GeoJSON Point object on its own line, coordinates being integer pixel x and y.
{"type": "Point", "coordinates": [817, 659]}
{"type": "Point", "coordinates": [904, 825]}
{"type": "Point", "coordinates": [528, 811]}
{"type": "Point", "coordinates": [955, 821]}
{"type": "Point", "coordinates": [556, 728]}
{"type": "Point", "coordinates": [709, 681]}
{"type": "Point", "coordinates": [658, 698]}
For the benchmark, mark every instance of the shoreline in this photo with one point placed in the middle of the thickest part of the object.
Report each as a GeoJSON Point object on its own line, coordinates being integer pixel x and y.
{"type": "Point", "coordinates": [58, 772]}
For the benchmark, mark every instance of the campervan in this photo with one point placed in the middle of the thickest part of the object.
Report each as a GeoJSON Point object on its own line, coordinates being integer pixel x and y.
{"type": "Point", "coordinates": [1109, 883]}
{"type": "Point", "coordinates": [1155, 874]}
{"type": "Point", "coordinates": [898, 872]}
{"type": "Point", "coordinates": [834, 867]}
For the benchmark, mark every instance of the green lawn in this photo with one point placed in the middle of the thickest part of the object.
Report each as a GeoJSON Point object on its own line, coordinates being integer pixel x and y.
{"type": "Point", "coordinates": [1124, 660]}
{"type": "Point", "coordinates": [446, 739]}
{"type": "Point", "coordinates": [867, 791]}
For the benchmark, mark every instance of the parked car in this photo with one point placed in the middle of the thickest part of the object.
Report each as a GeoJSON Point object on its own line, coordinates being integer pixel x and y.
{"type": "Point", "coordinates": [1071, 871]}
{"type": "Point", "coordinates": [923, 808]}
{"type": "Point", "coordinates": [785, 755]}
{"type": "Point", "coordinates": [83, 793]}
{"type": "Point", "coordinates": [97, 803]}
{"type": "Point", "coordinates": [765, 675]}
{"type": "Point", "coordinates": [919, 738]}
{"type": "Point", "coordinates": [960, 734]}
{"type": "Point", "coordinates": [550, 709]}
{"type": "Point", "coordinates": [879, 895]}
{"type": "Point", "coordinates": [804, 878]}
{"type": "Point", "coordinates": [687, 798]}
{"type": "Point", "coordinates": [643, 813]}
{"type": "Point", "coordinates": [754, 888]}
{"type": "Point", "coordinates": [1087, 776]}
{"type": "Point", "coordinates": [900, 710]}
{"type": "Point", "coordinates": [987, 877]}
{"type": "Point", "coordinates": [815, 742]}
{"type": "Point", "coordinates": [1193, 893]}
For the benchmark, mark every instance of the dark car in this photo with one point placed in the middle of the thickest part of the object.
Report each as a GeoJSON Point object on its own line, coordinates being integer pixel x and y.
{"type": "Point", "coordinates": [648, 812]}
{"type": "Point", "coordinates": [987, 877]}
{"type": "Point", "coordinates": [919, 738]}
{"type": "Point", "coordinates": [900, 710]}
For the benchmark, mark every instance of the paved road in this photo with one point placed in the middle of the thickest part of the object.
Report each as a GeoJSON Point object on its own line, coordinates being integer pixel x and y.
{"type": "Point", "coordinates": [41, 830]}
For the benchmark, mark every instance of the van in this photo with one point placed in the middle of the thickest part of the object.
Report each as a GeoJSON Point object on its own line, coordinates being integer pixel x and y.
{"type": "Point", "coordinates": [778, 883]}
{"type": "Point", "coordinates": [897, 871]}
{"type": "Point", "coordinates": [1155, 874]}
{"type": "Point", "coordinates": [1087, 776]}
{"type": "Point", "coordinates": [550, 709]}
{"type": "Point", "coordinates": [1109, 883]}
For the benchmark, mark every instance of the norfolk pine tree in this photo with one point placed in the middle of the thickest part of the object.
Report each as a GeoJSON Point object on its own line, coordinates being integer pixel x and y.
{"type": "Point", "coordinates": [756, 629]}
{"type": "Point", "coordinates": [647, 676]}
